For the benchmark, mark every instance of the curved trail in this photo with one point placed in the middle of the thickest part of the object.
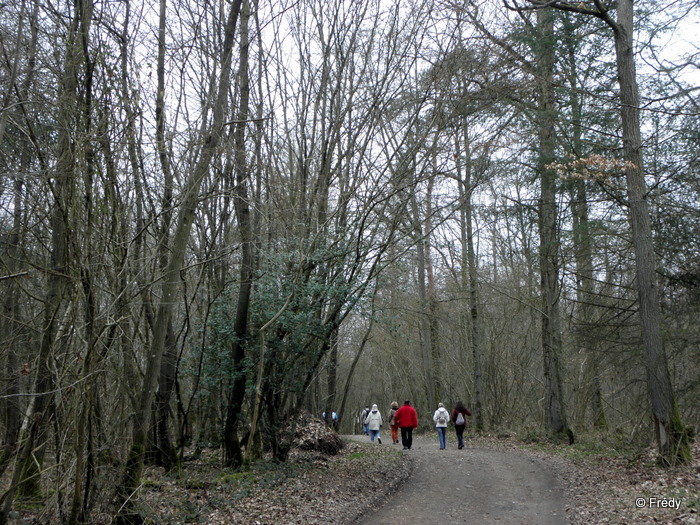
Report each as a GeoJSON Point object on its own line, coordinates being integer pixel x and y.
{"type": "Point", "coordinates": [472, 485]}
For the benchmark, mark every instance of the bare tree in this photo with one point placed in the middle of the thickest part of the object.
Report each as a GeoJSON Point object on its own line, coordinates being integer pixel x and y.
{"type": "Point", "coordinates": [11, 326]}
{"type": "Point", "coordinates": [27, 473]}
{"type": "Point", "coordinates": [185, 217]}
{"type": "Point", "coordinates": [241, 168]}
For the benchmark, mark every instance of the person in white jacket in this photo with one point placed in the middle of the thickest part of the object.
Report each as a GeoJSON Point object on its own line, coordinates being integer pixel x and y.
{"type": "Point", "coordinates": [374, 422]}
{"type": "Point", "coordinates": [441, 417]}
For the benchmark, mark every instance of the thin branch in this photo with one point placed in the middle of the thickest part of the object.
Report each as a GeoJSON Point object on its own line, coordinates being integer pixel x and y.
{"type": "Point", "coordinates": [13, 275]}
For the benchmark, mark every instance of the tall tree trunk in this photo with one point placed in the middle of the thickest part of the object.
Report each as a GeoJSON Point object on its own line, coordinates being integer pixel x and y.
{"type": "Point", "coordinates": [432, 287]}
{"type": "Point", "coordinates": [671, 434]}
{"type": "Point", "coordinates": [591, 397]}
{"type": "Point", "coordinates": [241, 202]}
{"type": "Point", "coordinates": [555, 414]}
{"type": "Point", "coordinates": [85, 257]}
{"type": "Point", "coordinates": [165, 453]}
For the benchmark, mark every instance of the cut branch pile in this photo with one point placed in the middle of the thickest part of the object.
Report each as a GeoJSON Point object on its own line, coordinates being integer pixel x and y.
{"type": "Point", "coordinates": [314, 435]}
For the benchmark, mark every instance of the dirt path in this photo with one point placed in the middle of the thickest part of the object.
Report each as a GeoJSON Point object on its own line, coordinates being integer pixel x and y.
{"type": "Point", "coordinates": [472, 485]}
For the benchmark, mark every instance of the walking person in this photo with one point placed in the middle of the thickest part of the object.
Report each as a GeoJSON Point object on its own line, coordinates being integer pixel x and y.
{"type": "Point", "coordinates": [459, 416]}
{"type": "Point", "coordinates": [374, 423]}
{"type": "Point", "coordinates": [335, 420]}
{"type": "Point", "coordinates": [363, 416]}
{"type": "Point", "coordinates": [392, 422]}
{"type": "Point", "coordinates": [441, 417]}
{"type": "Point", "coordinates": [406, 419]}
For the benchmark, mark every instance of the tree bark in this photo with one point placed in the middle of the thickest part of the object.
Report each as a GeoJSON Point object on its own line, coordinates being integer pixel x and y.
{"type": "Point", "coordinates": [241, 202]}
{"type": "Point", "coordinates": [555, 414]}
{"type": "Point", "coordinates": [165, 453]}
{"type": "Point", "coordinates": [671, 434]}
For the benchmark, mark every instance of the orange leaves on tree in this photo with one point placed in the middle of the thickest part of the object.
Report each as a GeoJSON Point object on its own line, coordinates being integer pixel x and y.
{"type": "Point", "coordinates": [593, 167]}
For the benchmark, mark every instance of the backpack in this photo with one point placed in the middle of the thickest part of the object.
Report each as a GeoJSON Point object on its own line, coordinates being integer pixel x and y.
{"type": "Point", "coordinates": [442, 420]}
{"type": "Point", "coordinates": [460, 419]}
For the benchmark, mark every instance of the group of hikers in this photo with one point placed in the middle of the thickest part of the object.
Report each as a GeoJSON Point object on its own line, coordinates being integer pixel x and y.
{"type": "Point", "coordinates": [405, 419]}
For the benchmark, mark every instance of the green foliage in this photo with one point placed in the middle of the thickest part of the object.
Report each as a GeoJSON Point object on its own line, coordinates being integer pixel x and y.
{"type": "Point", "coordinates": [150, 483]}
{"type": "Point", "coordinates": [691, 500]}
{"type": "Point", "coordinates": [29, 488]}
{"type": "Point", "coordinates": [191, 512]}
{"type": "Point", "coordinates": [588, 446]}
{"type": "Point", "coordinates": [532, 435]}
{"type": "Point", "coordinates": [357, 455]}
{"type": "Point", "coordinates": [678, 451]}
{"type": "Point", "coordinates": [217, 365]}
{"type": "Point", "coordinates": [195, 484]}
{"type": "Point", "coordinates": [132, 476]}
{"type": "Point", "coordinates": [237, 477]}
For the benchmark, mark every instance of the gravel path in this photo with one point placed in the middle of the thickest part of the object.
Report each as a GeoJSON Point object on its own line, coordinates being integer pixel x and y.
{"type": "Point", "coordinates": [472, 485]}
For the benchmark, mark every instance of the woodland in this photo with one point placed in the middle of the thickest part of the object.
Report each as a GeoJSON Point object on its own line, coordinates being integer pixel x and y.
{"type": "Point", "coordinates": [218, 216]}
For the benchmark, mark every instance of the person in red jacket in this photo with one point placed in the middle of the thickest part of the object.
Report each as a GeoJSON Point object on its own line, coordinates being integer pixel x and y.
{"type": "Point", "coordinates": [460, 422]}
{"type": "Point", "coordinates": [406, 419]}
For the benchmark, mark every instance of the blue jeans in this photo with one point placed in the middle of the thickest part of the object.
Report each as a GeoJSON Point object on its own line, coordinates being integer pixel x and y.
{"type": "Point", "coordinates": [365, 429]}
{"type": "Point", "coordinates": [442, 435]}
{"type": "Point", "coordinates": [372, 434]}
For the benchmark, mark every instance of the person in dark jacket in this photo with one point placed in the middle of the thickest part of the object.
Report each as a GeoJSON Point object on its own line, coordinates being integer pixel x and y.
{"type": "Point", "coordinates": [363, 416]}
{"type": "Point", "coordinates": [406, 419]}
{"type": "Point", "coordinates": [460, 423]}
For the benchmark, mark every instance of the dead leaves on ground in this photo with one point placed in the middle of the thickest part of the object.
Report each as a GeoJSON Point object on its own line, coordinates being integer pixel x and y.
{"type": "Point", "coordinates": [325, 481]}
{"type": "Point", "coordinates": [318, 488]}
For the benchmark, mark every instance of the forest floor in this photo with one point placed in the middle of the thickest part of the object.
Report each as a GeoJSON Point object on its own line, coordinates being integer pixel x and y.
{"type": "Point", "coordinates": [587, 483]}
{"type": "Point", "coordinates": [597, 484]}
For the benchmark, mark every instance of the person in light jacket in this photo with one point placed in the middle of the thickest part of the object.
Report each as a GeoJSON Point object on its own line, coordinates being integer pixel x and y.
{"type": "Point", "coordinates": [374, 422]}
{"type": "Point", "coordinates": [441, 417]}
